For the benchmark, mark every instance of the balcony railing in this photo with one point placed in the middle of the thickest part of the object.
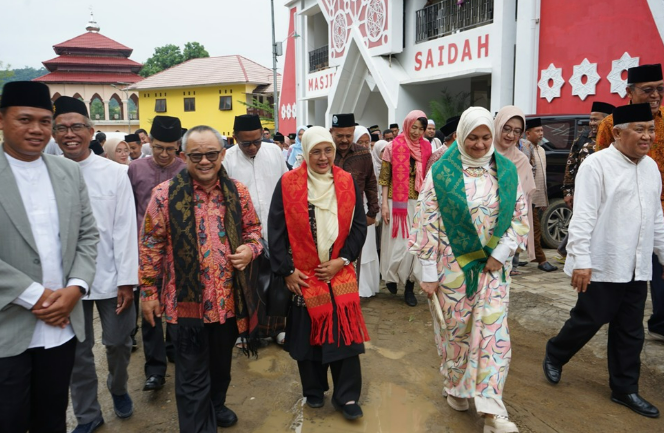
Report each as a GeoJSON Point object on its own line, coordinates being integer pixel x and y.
{"type": "Point", "coordinates": [448, 16]}
{"type": "Point", "coordinates": [319, 59]}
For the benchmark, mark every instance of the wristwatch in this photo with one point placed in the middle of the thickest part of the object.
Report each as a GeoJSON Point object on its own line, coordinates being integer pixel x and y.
{"type": "Point", "coordinates": [83, 291]}
{"type": "Point", "coordinates": [346, 261]}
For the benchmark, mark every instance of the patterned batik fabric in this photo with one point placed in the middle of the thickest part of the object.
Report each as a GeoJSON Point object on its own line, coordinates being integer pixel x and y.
{"type": "Point", "coordinates": [475, 342]}
{"type": "Point", "coordinates": [583, 147]}
{"type": "Point", "coordinates": [216, 270]}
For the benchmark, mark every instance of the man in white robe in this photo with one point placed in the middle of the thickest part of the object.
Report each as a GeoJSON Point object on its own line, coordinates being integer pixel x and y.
{"type": "Point", "coordinates": [617, 225]}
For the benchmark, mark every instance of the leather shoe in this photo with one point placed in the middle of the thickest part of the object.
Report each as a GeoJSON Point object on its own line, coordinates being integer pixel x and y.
{"type": "Point", "coordinates": [547, 267]}
{"type": "Point", "coordinates": [392, 287]}
{"type": "Point", "coordinates": [154, 383]}
{"type": "Point", "coordinates": [410, 298]}
{"type": "Point", "coordinates": [351, 411]}
{"type": "Point", "coordinates": [315, 402]}
{"type": "Point", "coordinates": [551, 371]}
{"type": "Point", "coordinates": [226, 417]}
{"type": "Point", "coordinates": [89, 427]}
{"type": "Point", "coordinates": [523, 263]}
{"type": "Point", "coordinates": [637, 403]}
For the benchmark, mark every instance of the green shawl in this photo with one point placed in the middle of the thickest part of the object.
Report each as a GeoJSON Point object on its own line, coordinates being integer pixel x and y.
{"type": "Point", "coordinates": [453, 204]}
{"type": "Point", "coordinates": [188, 285]}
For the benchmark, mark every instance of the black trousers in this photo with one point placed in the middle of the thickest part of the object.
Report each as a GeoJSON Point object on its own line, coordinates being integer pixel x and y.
{"type": "Point", "coordinates": [202, 376]}
{"type": "Point", "coordinates": [34, 389]}
{"type": "Point", "coordinates": [346, 376]}
{"type": "Point", "coordinates": [620, 305]}
{"type": "Point", "coordinates": [154, 348]}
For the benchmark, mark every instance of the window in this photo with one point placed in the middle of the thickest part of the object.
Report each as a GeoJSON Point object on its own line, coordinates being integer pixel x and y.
{"type": "Point", "coordinates": [225, 103]}
{"type": "Point", "coordinates": [160, 105]}
{"type": "Point", "coordinates": [189, 104]}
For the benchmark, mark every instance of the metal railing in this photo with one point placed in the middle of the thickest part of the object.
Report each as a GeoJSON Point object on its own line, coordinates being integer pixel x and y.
{"type": "Point", "coordinates": [319, 59]}
{"type": "Point", "coordinates": [448, 16]}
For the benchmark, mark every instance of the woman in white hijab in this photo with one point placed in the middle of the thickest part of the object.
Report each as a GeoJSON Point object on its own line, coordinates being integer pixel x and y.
{"type": "Point", "coordinates": [362, 136]}
{"type": "Point", "coordinates": [316, 229]}
{"type": "Point", "coordinates": [471, 217]}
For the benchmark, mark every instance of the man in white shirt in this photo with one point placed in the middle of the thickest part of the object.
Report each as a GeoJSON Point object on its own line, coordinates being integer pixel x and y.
{"type": "Point", "coordinates": [47, 263]}
{"type": "Point", "coordinates": [258, 165]}
{"type": "Point", "coordinates": [616, 227]}
{"type": "Point", "coordinates": [113, 207]}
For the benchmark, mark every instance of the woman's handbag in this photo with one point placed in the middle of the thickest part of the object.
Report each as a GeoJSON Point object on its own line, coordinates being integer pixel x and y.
{"type": "Point", "coordinates": [271, 288]}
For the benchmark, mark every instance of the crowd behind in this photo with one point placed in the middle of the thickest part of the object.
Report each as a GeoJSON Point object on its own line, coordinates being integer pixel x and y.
{"type": "Point", "coordinates": [231, 243]}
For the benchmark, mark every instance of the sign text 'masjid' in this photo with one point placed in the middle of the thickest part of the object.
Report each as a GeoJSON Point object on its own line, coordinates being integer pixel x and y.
{"type": "Point", "coordinates": [452, 52]}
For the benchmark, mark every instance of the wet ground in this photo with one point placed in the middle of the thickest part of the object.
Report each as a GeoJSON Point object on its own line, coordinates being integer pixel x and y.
{"type": "Point", "coordinates": [401, 381]}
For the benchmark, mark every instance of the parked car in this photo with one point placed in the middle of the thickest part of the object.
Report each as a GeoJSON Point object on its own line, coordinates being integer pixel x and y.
{"type": "Point", "coordinates": [559, 134]}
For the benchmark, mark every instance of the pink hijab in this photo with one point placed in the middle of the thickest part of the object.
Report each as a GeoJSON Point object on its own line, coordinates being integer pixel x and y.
{"type": "Point", "coordinates": [523, 167]}
{"type": "Point", "coordinates": [416, 147]}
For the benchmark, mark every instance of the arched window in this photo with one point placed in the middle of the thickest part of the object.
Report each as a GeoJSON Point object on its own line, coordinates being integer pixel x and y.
{"type": "Point", "coordinates": [115, 108]}
{"type": "Point", "coordinates": [55, 96]}
{"type": "Point", "coordinates": [97, 108]}
{"type": "Point", "coordinates": [133, 107]}
{"type": "Point", "coordinates": [78, 96]}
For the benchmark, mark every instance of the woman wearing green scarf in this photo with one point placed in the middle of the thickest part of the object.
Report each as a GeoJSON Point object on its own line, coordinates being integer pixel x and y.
{"type": "Point", "coordinates": [470, 219]}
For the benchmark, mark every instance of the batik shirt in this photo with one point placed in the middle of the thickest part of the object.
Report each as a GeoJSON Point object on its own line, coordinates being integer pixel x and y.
{"type": "Point", "coordinates": [216, 269]}
{"type": "Point", "coordinates": [583, 146]}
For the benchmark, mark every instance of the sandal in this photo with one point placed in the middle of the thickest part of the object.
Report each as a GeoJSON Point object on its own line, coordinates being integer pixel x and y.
{"type": "Point", "coordinates": [514, 273]}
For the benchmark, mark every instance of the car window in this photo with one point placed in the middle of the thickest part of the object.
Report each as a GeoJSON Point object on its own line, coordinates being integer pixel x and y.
{"type": "Point", "coordinates": [558, 134]}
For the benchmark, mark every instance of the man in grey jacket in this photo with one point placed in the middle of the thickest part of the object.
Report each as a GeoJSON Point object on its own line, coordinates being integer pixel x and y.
{"type": "Point", "coordinates": [47, 263]}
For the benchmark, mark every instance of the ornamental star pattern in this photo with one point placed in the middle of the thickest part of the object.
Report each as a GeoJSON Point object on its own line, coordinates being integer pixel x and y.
{"type": "Point", "coordinates": [370, 16]}
{"type": "Point", "coordinates": [553, 91]}
{"type": "Point", "coordinates": [618, 85]}
{"type": "Point", "coordinates": [578, 87]}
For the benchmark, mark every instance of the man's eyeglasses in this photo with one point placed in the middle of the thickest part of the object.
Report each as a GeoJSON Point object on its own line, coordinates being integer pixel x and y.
{"type": "Point", "coordinates": [650, 90]}
{"type": "Point", "coordinates": [249, 143]}
{"type": "Point", "coordinates": [75, 128]}
{"type": "Point", "coordinates": [516, 131]}
{"type": "Point", "coordinates": [161, 149]}
{"type": "Point", "coordinates": [198, 157]}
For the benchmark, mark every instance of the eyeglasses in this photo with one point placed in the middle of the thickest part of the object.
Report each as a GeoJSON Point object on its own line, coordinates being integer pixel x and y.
{"type": "Point", "coordinates": [250, 143]}
{"type": "Point", "coordinates": [649, 90]}
{"type": "Point", "coordinates": [516, 131]}
{"type": "Point", "coordinates": [198, 157]}
{"type": "Point", "coordinates": [161, 149]}
{"type": "Point", "coordinates": [75, 128]}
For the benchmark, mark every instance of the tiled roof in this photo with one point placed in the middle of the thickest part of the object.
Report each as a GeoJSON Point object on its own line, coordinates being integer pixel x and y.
{"type": "Point", "coordinates": [209, 71]}
{"type": "Point", "coordinates": [88, 77]}
{"type": "Point", "coordinates": [91, 40]}
{"type": "Point", "coordinates": [91, 60]}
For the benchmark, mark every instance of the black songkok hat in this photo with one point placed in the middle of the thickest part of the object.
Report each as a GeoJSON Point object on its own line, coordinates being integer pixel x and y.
{"type": "Point", "coordinates": [292, 136]}
{"type": "Point", "coordinates": [394, 125]}
{"type": "Point", "coordinates": [279, 137]}
{"type": "Point", "coordinates": [644, 73]}
{"type": "Point", "coordinates": [632, 113]}
{"type": "Point", "coordinates": [166, 128]}
{"type": "Point", "coordinates": [67, 104]}
{"type": "Point", "coordinates": [450, 126]}
{"type": "Point", "coordinates": [309, 126]}
{"type": "Point", "coordinates": [602, 107]}
{"type": "Point", "coordinates": [247, 122]}
{"type": "Point", "coordinates": [374, 128]}
{"type": "Point", "coordinates": [183, 131]}
{"type": "Point", "coordinates": [26, 94]}
{"type": "Point", "coordinates": [374, 137]}
{"type": "Point", "coordinates": [132, 138]}
{"type": "Point", "coordinates": [343, 120]}
{"type": "Point", "coordinates": [533, 123]}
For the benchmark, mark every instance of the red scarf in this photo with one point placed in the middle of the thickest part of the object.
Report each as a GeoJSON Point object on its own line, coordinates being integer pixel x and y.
{"type": "Point", "coordinates": [403, 148]}
{"type": "Point", "coordinates": [317, 296]}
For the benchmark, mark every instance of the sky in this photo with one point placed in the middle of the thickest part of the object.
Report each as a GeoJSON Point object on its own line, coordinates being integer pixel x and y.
{"type": "Point", "coordinates": [30, 28]}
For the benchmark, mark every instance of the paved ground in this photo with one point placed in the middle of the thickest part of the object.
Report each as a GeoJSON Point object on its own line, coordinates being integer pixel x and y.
{"type": "Point", "coordinates": [402, 385]}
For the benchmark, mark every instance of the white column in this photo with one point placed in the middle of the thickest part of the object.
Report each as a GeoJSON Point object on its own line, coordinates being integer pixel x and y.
{"type": "Point", "coordinates": [526, 74]}
{"type": "Point", "coordinates": [502, 75]}
{"type": "Point", "coordinates": [106, 114]}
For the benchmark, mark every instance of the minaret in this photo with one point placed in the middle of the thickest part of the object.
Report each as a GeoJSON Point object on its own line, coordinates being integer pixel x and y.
{"type": "Point", "coordinates": [92, 24]}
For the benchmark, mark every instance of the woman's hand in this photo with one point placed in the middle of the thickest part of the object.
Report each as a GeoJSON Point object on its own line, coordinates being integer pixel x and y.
{"type": "Point", "coordinates": [326, 271]}
{"type": "Point", "coordinates": [430, 288]}
{"type": "Point", "coordinates": [492, 265]}
{"type": "Point", "coordinates": [385, 213]}
{"type": "Point", "coordinates": [295, 280]}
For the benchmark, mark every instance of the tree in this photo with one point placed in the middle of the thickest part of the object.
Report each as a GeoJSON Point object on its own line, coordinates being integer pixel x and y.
{"type": "Point", "coordinates": [265, 110]}
{"type": "Point", "coordinates": [194, 50]}
{"type": "Point", "coordinates": [5, 75]}
{"type": "Point", "coordinates": [170, 55]}
{"type": "Point", "coordinates": [448, 105]}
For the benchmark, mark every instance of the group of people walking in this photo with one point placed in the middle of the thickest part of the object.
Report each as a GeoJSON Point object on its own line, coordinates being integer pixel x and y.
{"type": "Point", "coordinates": [183, 227]}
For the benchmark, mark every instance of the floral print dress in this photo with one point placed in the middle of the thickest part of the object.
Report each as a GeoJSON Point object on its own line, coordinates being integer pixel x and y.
{"type": "Point", "coordinates": [474, 342]}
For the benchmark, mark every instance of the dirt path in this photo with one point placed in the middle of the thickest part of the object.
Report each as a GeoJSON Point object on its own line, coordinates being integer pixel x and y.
{"type": "Point", "coordinates": [402, 385]}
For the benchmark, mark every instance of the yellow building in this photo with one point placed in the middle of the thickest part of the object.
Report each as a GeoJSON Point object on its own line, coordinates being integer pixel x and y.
{"type": "Point", "coordinates": [208, 91]}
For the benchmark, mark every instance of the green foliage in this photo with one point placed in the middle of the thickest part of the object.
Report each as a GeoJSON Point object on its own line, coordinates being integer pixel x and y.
{"type": "Point", "coordinates": [448, 105]}
{"type": "Point", "coordinates": [8, 75]}
{"type": "Point", "coordinates": [194, 50]}
{"type": "Point", "coordinates": [5, 75]}
{"type": "Point", "coordinates": [170, 55]}
{"type": "Point", "coordinates": [97, 108]}
{"type": "Point", "coordinates": [113, 109]}
{"type": "Point", "coordinates": [265, 110]}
